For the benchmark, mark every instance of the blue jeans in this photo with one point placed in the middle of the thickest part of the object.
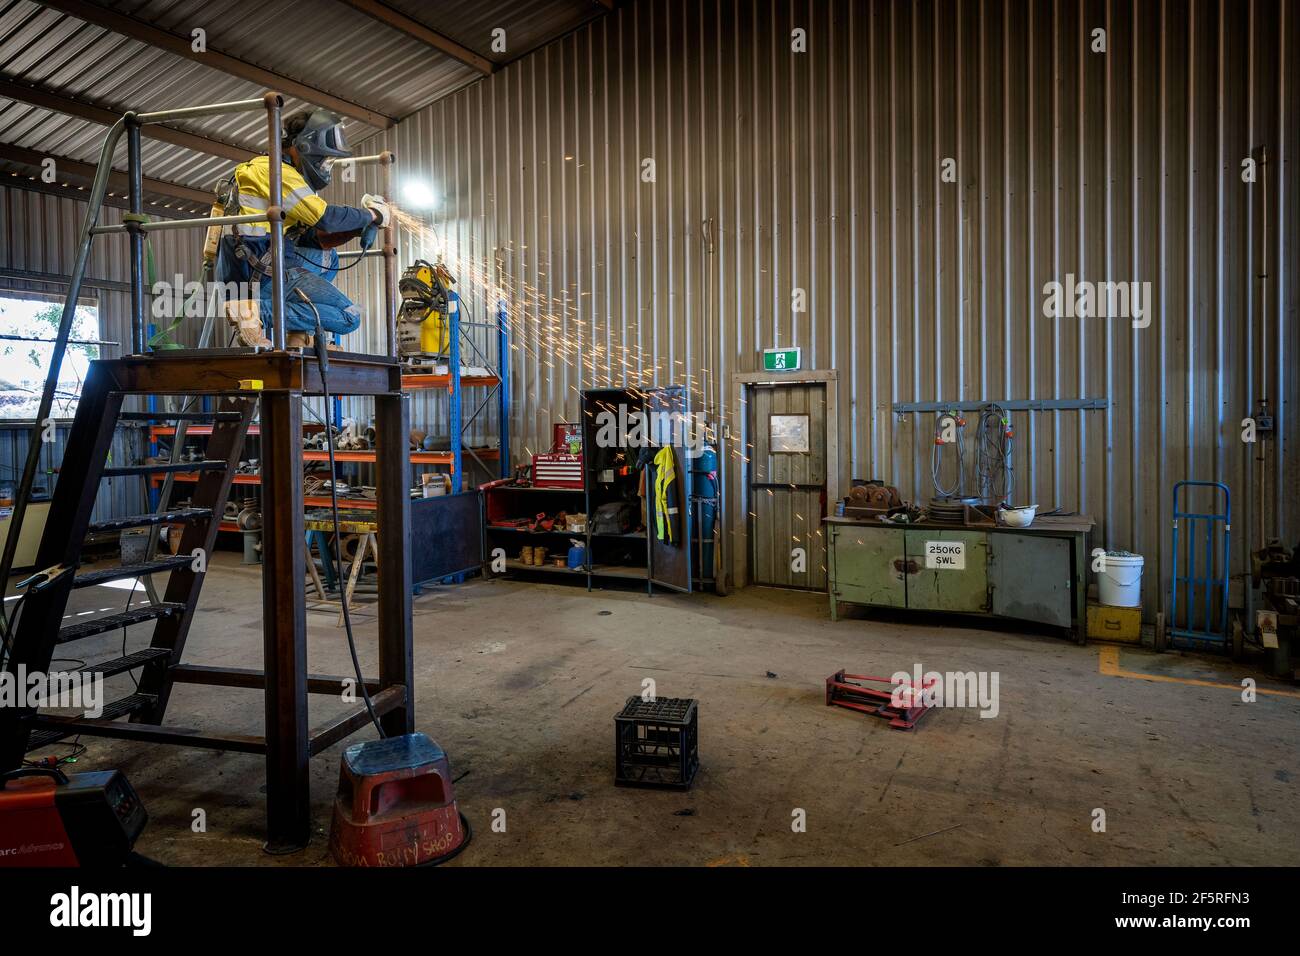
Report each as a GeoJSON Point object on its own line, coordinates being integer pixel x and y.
{"type": "Point", "coordinates": [337, 313]}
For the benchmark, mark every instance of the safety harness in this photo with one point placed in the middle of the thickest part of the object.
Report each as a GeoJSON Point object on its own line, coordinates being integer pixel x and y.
{"type": "Point", "coordinates": [232, 205]}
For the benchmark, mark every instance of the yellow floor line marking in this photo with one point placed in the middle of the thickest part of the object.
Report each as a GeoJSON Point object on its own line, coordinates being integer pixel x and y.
{"type": "Point", "coordinates": [1108, 666]}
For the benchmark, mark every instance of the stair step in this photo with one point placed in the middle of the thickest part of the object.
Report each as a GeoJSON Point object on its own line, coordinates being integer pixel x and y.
{"type": "Point", "coordinates": [101, 625]}
{"type": "Point", "coordinates": [140, 521]}
{"type": "Point", "coordinates": [118, 708]}
{"type": "Point", "coordinates": [127, 705]}
{"type": "Point", "coordinates": [43, 738]}
{"type": "Point", "coordinates": [179, 416]}
{"type": "Point", "coordinates": [120, 573]}
{"type": "Point", "coordinates": [162, 468]}
{"type": "Point", "coordinates": [120, 665]}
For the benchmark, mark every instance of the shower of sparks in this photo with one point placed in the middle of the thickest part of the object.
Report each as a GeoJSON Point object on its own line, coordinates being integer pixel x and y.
{"type": "Point", "coordinates": [553, 330]}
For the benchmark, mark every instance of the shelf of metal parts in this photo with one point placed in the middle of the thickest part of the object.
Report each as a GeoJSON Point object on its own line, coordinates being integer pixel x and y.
{"type": "Point", "coordinates": [513, 530]}
{"type": "Point", "coordinates": [417, 457]}
{"type": "Point", "coordinates": [311, 501]}
{"type": "Point", "coordinates": [239, 478]}
{"type": "Point", "coordinates": [417, 381]}
{"type": "Point", "coordinates": [165, 431]}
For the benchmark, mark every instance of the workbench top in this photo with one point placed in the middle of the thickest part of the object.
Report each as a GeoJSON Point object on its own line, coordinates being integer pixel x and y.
{"type": "Point", "coordinates": [1044, 524]}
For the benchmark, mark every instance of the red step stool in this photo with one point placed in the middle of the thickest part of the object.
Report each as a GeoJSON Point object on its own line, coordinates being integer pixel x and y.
{"type": "Point", "coordinates": [395, 805]}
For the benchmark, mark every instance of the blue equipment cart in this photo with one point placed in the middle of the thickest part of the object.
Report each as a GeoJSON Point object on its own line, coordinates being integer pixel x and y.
{"type": "Point", "coordinates": [1198, 584]}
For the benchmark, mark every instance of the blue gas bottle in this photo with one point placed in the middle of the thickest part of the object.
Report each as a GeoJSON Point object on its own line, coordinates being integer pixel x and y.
{"type": "Point", "coordinates": [704, 484]}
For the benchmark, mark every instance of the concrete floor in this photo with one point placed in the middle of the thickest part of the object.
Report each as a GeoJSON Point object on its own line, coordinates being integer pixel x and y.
{"type": "Point", "coordinates": [520, 682]}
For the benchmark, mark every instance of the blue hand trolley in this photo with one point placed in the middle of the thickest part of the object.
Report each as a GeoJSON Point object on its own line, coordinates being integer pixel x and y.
{"type": "Point", "coordinates": [1198, 584]}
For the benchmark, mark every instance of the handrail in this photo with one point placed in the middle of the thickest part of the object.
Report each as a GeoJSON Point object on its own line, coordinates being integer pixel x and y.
{"type": "Point", "coordinates": [97, 189]}
{"type": "Point", "coordinates": [211, 109]}
{"type": "Point", "coordinates": [159, 225]}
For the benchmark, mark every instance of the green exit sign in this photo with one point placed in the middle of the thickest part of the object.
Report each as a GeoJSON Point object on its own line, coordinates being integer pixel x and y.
{"type": "Point", "coordinates": [781, 360]}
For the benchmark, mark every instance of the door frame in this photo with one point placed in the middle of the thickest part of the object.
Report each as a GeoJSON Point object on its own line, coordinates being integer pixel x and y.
{"type": "Point", "coordinates": [737, 502]}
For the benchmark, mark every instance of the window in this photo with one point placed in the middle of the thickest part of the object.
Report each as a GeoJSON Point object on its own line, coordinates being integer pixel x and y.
{"type": "Point", "coordinates": [28, 326]}
{"type": "Point", "coordinates": [788, 433]}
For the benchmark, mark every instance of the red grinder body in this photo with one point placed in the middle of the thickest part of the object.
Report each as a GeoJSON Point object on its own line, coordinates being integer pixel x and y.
{"type": "Point", "coordinates": [395, 805]}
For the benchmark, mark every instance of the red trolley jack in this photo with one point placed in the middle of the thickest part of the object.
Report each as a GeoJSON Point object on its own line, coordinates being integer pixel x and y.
{"type": "Point", "coordinates": [899, 703]}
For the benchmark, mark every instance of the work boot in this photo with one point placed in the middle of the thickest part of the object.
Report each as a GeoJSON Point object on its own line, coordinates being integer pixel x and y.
{"type": "Point", "coordinates": [298, 340]}
{"type": "Point", "coordinates": [246, 316]}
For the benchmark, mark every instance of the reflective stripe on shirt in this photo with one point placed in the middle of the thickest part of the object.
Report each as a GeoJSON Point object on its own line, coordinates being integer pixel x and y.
{"type": "Point", "coordinates": [302, 207]}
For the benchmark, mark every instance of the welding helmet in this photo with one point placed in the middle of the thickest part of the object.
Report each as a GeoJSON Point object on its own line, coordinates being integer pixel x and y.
{"type": "Point", "coordinates": [318, 136]}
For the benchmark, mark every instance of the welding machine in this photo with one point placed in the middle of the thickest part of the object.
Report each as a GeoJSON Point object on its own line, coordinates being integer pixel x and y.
{"type": "Point", "coordinates": [395, 805]}
{"type": "Point", "coordinates": [50, 819]}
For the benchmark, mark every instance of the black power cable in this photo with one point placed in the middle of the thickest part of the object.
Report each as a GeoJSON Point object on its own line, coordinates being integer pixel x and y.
{"type": "Point", "coordinates": [993, 445]}
{"type": "Point", "coordinates": [322, 360]}
{"type": "Point", "coordinates": [936, 453]}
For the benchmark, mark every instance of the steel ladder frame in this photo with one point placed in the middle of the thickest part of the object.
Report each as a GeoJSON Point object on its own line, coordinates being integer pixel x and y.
{"type": "Point", "coordinates": [235, 376]}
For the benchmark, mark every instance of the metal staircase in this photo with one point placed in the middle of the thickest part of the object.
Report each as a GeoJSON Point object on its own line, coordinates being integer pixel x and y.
{"type": "Point", "coordinates": [40, 627]}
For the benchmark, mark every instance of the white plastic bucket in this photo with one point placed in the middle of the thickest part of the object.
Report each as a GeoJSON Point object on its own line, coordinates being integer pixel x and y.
{"type": "Point", "coordinates": [1120, 582]}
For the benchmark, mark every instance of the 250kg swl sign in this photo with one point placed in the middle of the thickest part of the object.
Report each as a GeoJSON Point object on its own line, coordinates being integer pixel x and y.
{"type": "Point", "coordinates": [945, 555]}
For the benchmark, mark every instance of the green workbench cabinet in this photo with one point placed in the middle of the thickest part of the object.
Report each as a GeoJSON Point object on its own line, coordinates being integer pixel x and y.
{"type": "Point", "coordinates": [1034, 574]}
{"type": "Point", "coordinates": [867, 567]}
{"type": "Point", "coordinates": [947, 571]}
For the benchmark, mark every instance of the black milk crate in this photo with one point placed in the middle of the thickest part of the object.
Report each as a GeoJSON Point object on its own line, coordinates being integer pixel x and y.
{"type": "Point", "coordinates": [657, 743]}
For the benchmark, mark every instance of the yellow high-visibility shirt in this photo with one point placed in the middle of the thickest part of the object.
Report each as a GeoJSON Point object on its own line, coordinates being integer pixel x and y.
{"type": "Point", "coordinates": [302, 207]}
{"type": "Point", "coordinates": [665, 494]}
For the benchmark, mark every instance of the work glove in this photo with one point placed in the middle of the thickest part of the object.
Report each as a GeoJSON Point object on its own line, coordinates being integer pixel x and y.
{"type": "Point", "coordinates": [379, 206]}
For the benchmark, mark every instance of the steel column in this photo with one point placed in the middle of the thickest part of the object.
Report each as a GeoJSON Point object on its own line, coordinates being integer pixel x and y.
{"type": "Point", "coordinates": [284, 622]}
{"type": "Point", "coordinates": [503, 389]}
{"type": "Point", "coordinates": [275, 214]}
{"type": "Point", "coordinates": [386, 160]}
{"type": "Point", "coordinates": [135, 204]}
{"type": "Point", "coordinates": [393, 515]}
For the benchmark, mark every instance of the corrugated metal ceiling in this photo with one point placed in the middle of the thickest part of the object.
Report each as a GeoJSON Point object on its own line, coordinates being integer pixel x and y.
{"type": "Point", "coordinates": [528, 24]}
{"type": "Point", "coordinates": [326, 45]}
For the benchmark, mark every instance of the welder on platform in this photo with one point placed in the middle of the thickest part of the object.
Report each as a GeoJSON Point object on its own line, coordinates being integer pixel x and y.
{"type": "Point", "coordinates": [312, 142]}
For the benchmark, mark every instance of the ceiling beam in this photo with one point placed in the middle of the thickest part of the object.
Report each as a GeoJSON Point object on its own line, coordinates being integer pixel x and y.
{"type": "Point", "coordinates": [413, 28]}
{"type": "Point", "coordinates": [72, 167]}
{"type": "Point", "coordinates": [143, 32]}
{"type": "Point", "coordinates": [53, 278]}
{"type": "Point", "coordinates": [58, 103]}
{"type": "Point", "coordinates": [29, 182]}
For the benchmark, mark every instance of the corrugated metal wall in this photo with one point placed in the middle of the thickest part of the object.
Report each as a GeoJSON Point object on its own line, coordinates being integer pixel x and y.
{"type": "Point", "coordinates": [38, 234]}
{"type": "Point", "coordinates": [821, 171]}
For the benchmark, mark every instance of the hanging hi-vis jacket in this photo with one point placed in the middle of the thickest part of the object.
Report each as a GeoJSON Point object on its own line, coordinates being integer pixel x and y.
{"type": "Point", "coordinates": [666, 510]}
{"type": "Point", "coordinates": [242, 255]}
